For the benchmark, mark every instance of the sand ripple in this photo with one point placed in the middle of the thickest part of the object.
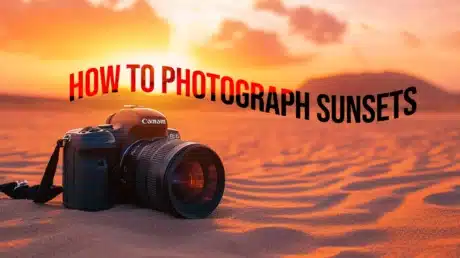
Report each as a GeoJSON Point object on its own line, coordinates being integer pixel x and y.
{"type": "Point", "coordinates": [294, 188]}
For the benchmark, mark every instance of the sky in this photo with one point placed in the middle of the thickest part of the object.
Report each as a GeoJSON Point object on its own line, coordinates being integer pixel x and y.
{"type": "Point", "coordinates": [282, 43]}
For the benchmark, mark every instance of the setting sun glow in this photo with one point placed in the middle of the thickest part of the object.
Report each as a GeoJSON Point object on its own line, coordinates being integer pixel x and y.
{"type": "Point", "coordinates": [279, 42]}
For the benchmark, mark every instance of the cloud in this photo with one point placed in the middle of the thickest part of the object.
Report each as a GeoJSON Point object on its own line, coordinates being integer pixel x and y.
{"type": "Point", "coordinates": [365, 27]}
{"type": "Point", "coordinates": [237, 45]}
{"type": "Point", "coordinates": [452, 40]}
{"type": "Point", "coordinates": [317, 26]}
{"type": "Point", "coordinates": [411, 40]}
{"type": "Point", "coordinates": [275, 6]}
{"type": "Point", "coordinates": [77, 29]}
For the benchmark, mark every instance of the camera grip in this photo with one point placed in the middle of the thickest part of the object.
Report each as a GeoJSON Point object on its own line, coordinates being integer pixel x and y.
{"type": "Point", "coordinates": [89, 170]}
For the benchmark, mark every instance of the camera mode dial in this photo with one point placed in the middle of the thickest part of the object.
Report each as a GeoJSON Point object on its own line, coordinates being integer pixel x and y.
{"type": "Point", "coordinates": [90, 129]}
{"type": "Point", "coordinates": [106, 126]}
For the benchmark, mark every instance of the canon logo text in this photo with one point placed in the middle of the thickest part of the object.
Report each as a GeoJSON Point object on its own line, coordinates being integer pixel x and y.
{"type": "Point", "coordinates": [149, 121]}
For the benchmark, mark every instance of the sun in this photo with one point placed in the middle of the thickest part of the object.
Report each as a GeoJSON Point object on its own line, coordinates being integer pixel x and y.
{"type": "Point", "coordinates": [156, 59]}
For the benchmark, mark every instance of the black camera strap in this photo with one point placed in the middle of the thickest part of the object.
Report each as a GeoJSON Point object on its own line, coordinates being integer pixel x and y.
{"type": "Point", "coordinates": [42, 193]}
{"type": "Point", "coordinates": [46, 190]}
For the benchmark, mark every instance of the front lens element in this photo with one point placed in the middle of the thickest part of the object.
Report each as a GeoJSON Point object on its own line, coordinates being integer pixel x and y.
{"type": "Point", "coordinates": [184, 178]}
{"type": "Point", "coordinates": [188, 181]}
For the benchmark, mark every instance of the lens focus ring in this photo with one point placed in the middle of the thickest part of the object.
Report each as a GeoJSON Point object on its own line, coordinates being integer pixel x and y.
{"type": "Point", "coordinates": [143, 159]}
{"type": "Point", "coordinates": [155, 176]}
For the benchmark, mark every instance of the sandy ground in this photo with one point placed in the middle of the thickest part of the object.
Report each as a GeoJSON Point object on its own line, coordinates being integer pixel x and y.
{"type": "Point", "coordinates": [294, 188]}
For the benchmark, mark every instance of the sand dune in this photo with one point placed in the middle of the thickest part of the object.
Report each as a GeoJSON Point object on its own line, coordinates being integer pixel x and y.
{"type": "Point", "coordinates": [429, 97]}
{"type": "Point", "coordinates": [294, 188]}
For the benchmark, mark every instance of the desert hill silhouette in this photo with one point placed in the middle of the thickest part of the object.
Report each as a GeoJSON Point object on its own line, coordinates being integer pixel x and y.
{"type": "Point", "coordinates": [429, 97]}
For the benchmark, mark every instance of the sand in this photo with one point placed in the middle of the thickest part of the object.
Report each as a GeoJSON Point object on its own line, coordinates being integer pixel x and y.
{"type": "Point", "coordinates": [294, 189]}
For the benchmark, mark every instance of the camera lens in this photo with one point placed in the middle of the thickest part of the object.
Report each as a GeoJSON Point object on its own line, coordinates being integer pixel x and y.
{"type": "Point", "coordinates": [183, 178]}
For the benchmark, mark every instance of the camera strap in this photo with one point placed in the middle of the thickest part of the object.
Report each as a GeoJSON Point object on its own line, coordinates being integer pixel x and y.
{"type": "Point", "coordinates": [42, 193]}
{"type": "Point", "coordinates": [46, 190]}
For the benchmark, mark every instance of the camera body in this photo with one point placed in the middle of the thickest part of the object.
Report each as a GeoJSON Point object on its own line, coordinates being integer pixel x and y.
{"type": "Point", "coordinates": [93, 173]}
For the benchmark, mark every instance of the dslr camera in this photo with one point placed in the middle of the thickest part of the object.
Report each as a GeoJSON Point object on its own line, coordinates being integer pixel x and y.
{"type": "Point", "coordinates": [135, 158]}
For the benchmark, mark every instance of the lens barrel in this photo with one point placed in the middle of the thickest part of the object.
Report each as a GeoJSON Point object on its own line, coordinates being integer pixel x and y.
{"type": "Point", "coordinates": [186, 179]}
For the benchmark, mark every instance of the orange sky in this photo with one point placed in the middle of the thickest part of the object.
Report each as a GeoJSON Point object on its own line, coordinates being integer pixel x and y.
{"type": "Point", "coordinates": [277, 42]}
